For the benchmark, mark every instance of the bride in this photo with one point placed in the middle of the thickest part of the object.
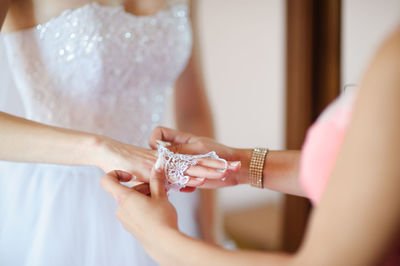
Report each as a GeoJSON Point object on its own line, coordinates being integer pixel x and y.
{"type": "Point", "coordinates": [104, 68]}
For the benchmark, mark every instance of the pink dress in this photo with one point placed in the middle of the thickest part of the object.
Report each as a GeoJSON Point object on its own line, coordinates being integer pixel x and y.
{"type": "Point", "coordinates": [321, 147]}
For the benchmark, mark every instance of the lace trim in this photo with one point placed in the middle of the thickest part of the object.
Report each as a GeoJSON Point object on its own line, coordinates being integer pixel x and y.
{"type": "Point", "coordinates": [176, 164]}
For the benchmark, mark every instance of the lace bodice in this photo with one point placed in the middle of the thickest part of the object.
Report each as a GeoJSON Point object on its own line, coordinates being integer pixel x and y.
{"type": "Point", "coordinates": [101, 69]}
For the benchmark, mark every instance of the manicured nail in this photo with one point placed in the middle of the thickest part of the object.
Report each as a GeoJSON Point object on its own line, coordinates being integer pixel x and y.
{"type": "Point", "coordinates": [234, 164]}
{"type": "Point", "coordinates": [200, 179]}
{"type": "Point", "coordinates": [158, 167]}
{"type": "Point", "coordinates": [221, 170]}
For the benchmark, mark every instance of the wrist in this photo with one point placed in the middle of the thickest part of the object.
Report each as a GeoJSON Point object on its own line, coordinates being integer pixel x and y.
{"type": "Point", "coordinates": [97, 148]}
{"type": "Point", "coordinates": [244, 156]}
{"type": "Point", "coordinates": [165, 251]}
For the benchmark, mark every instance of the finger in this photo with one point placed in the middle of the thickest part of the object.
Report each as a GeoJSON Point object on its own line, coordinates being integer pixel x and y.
{"type": "Point", "coordinates": [213, 163]}
{"type": "Point", "coordinates": [157, 184]}
{"type": "Point", "coordinates": [167, 134]}
{"type": "Point", "coordinates": [123, 176]}
{"type": "Point", "coordinates": [201, 171]}
{"type": "Point", "coordinates": [111, 183]}
{"type": "Point", "coordinates": [143, 188]}
{"type": "Point", "coordinates": [196, 182]}
{"type": "Point", "coordinates": [235, 165]}
{"type": "Point", "coordinates": [219, 164]}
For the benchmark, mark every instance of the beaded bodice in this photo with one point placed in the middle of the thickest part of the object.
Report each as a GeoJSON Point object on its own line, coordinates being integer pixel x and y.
{"type": "Point", "coordinates": [101, 69]}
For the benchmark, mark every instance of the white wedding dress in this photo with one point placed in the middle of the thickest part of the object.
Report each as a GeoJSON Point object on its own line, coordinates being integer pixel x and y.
{"type": "Point", "coordinates": [97, 69]}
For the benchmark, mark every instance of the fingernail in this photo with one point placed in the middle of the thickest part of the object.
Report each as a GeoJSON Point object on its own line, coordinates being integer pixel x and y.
{"type": "Point", "coordinates": [234, 164]}
{"type": "Point", "coordinates": [158, 165]}
{"type": "Point", "coordinates": [221, 170]}
{"type": "Point", "coordinates": [200, 179]}
{"type": "Point", "coordinates": [158, 168]}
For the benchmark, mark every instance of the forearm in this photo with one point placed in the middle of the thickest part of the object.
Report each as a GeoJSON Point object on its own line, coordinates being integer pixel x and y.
{"type": "Point", "coordinates": [280, 170]}
{"type": "Point", "coordinates": [178, 249]}
{"type": "Point", "coordinates": [22, 140]}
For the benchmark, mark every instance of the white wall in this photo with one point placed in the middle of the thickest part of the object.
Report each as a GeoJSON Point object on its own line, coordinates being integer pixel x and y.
{"type": "Point", "coordinates": [365, 25]}
{"type": "Point", "coordinates": [243, 48]}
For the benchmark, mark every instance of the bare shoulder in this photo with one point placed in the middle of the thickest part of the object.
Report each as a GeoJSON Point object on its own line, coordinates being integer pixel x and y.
{"type": "Point", "coordinates": [384, 71]}
{"type": "Point", "coordinates": [389, 52]}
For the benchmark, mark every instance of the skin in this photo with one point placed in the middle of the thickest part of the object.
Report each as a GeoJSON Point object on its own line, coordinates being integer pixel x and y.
{"type": "Point", "coordinates": [358, 215]}
{"type": "Point", "coordinates": [280, 172]}
{"type": "Point", "coordinates": [26, 141]}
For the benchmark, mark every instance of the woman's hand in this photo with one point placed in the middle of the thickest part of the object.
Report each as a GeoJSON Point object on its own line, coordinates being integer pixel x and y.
{"type": "Point", "coordinates": [189, 144]}
{"type": "Point", "coordinates": [143, 210]}
{"type": "Point", "coordinates": [146, 213]}
{"type": "Point", "coordinates": [138, 162]}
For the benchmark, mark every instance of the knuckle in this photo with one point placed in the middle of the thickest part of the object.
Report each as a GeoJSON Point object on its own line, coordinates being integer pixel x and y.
{"type": "Point", "coordinates": [176, 148]}
{"type": "Point", "coordinates": [203, 145]}
{"type": "Point", "coordinates": [157, 129]}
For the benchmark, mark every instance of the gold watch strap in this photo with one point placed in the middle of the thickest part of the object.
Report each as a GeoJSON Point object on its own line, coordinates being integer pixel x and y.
{"type": "Point", "coordinates": [256, 167]}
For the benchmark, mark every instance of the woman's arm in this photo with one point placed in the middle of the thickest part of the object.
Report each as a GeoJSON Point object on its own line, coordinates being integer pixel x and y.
{"type": "Point", "coordinates": [153, 221]}
{"type": "Point", "coordinates": [359, 213]}
{"type": "Point", "coordinates": [193, 115]}
{"type": "Point", "coordinates": [358, 219]}
{"type": "Point", "coordinates": [183, 250]}
{"type": "Point", "coordinates": [280, 168]}
{"type": "Point", "coordinates": [22, 140]}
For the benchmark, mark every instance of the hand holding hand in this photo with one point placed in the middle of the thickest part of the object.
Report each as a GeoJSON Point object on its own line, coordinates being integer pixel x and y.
{"type": "Point", "coordinates": [189, 144]}
{"type": "Point", "coordinates": [143, 210]}
{"type": "Point", "coordinates": [138, 162]}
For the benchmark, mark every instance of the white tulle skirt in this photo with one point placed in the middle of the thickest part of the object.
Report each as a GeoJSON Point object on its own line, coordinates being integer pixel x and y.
{"type": "Point", "coordinates": [60, 215]}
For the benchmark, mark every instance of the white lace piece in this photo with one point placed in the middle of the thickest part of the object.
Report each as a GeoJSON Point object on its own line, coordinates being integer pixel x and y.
{"type": "Point", "coordinates": [176, 164]}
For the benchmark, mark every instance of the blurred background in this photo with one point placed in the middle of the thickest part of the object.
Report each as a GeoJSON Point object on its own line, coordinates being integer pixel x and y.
{"type": "Point", "coordinates": [270, 67]}
{"type": "Point", "coordinates": [261, 59]}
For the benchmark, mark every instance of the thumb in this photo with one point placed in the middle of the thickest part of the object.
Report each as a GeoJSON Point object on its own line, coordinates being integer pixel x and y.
{"type": "Point", "coordinates": [168, 135]}
{"type": "Point", "coordinates": [157, 183]}
{"type": "Point", "coordinates": [111, 184]}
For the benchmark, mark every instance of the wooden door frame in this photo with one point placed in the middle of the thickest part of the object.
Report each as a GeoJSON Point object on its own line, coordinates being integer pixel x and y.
{"type": "Point", "coordinates": [313, 29]}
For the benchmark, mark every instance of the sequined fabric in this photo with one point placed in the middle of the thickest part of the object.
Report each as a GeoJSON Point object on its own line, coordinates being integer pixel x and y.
{"type": "Point", "coordinates": [101, 69]}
